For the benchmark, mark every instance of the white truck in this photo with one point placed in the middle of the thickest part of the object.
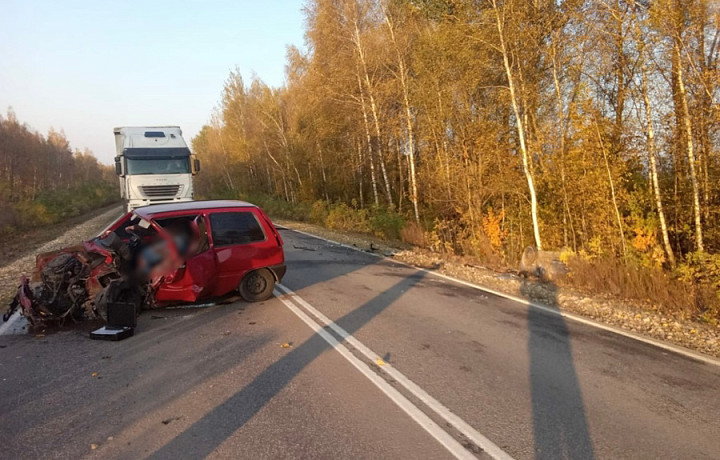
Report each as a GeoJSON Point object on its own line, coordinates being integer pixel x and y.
{"type": "Point", "coordinates": [154, 165]}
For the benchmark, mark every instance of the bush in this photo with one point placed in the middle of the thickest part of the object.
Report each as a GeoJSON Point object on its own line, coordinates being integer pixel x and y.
{"type": "Point", "coordinates": [55, 206]}
{"type": "Point", "coordinates": [319, 212]}
{"type": "Point", "coordinates": [480, 246]}
{"type": "Point", "coordinates": [444, 235]}
{"type": "Point", "coordinates": [34, 214]}
{"type": "Point", "coordinates": [414, 234]}
{"type": "Point", "coordinates": [343, 217]}
{"type": "Point", "coordinates": [62, 204]}
{"type": "Point", "coordinates": [340, 216]}
{"type": "Point", "coordinates": [702, 270]}
{"type": "Point", "coordinates": [689, 295]}
{"type": "Point", "coordinates": [275, 207]}
{"type": "Point", "coordinates": [387, 224]}
{"type": "Point", "coordinates": [380, 222]}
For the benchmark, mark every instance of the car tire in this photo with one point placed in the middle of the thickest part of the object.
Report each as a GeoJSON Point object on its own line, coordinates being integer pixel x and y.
{"type": "Point", "coordinates": [257, 285]}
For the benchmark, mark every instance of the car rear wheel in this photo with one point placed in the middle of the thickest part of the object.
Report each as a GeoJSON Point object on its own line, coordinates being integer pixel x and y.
{"type": "Point", "coordinates": [257, 285]}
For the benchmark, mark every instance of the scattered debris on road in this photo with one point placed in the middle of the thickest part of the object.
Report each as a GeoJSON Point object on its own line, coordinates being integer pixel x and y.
{"type": "Point", "coordinates": [303, 248]}
{"type": "Point", "coordinates": [168, 421]}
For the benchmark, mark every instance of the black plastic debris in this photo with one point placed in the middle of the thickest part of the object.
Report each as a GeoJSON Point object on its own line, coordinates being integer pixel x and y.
{"type": "Point", "coordinates": [112, 333]}
{"type": "Point", "coordinates": [121, 322]}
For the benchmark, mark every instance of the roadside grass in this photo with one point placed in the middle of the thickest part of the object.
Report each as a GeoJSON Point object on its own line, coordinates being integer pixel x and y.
{"type": "Point", "coordinates": [52, 207]}
{"type": "Point", "coordinates": [26, 242]}
{"type": "Point", "coordinates": [672, 293]}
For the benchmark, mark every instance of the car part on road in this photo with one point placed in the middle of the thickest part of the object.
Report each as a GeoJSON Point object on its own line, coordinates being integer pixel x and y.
{"type": "Point", "coordinates": [113, 334]}
{"type": "Point", "coordinates": [121, 321]}
{"type": "Point", "coordinates": [546, 265]}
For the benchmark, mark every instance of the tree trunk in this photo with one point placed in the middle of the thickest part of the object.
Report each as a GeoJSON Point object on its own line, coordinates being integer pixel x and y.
{"type": "Point", "coordinates": [360, 177]}
{"type": "Point", "coordinates": [612, 189]}
{"type": "Point", "coordinates": [374, 112]}
{"type": "Point", "coordinates": [408, 121]}
{"type": "Point", "coordinates": [401, 176]}
{"type": "Point", "coordinates": [520, 128]}
{"type": "Point", "coordinates": [228, 177]}
{"type": "Point", "coordinates": [653, 169]}
{"type": "Point", "coordinates": [322, 169]}
{"type": "Point", "coordinates": [567, 216]}
{"type": "Point", "coordinates": [687, 125]}
{"type": "Point", "coordinates": [368, 137]}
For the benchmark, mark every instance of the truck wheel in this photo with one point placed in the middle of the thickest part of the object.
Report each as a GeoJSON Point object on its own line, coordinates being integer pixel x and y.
{"type": "Point", "coordinates": [257, 285]}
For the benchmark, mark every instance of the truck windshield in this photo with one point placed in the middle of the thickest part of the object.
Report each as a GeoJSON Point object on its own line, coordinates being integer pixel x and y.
{"type": "Point", "coordinates": [158, 166]}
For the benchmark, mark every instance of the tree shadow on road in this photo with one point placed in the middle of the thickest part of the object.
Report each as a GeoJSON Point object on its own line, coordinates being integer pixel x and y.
{"type": "Point", "coordinates": [559, 421]}
{"type": "Point", "coordinates": [205, 435]}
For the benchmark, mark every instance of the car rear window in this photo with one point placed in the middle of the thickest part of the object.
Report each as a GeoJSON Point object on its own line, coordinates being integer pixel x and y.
{"type": "Point", "coordinates": [230, 228]}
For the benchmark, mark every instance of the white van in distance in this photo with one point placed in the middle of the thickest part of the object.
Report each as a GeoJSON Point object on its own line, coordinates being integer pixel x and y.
{"type": "Point", "coordinates": [154, 165]}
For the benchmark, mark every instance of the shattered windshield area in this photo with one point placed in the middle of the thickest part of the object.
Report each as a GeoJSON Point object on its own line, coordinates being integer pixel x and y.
{"type": "Point", "coordinates": [133, 224]}
{"type": "Point", "coordinates": [138, 166]}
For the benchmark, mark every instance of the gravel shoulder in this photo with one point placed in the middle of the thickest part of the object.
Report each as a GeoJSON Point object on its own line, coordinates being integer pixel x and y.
{"type": "Point", "coordinates": [630, 316]}
{"type": "Point", "coordinates": [17, 252]}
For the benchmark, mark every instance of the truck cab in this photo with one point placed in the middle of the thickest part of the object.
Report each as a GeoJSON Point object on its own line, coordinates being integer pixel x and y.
{"type": "Point", "coordinates": [154, 165]}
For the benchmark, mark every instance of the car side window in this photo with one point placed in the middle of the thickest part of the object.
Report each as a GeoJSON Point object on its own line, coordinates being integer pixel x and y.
{"type": "Point", "coordinates": [230, 228]}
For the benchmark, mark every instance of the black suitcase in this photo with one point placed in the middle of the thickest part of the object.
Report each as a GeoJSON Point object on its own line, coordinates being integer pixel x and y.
{"type": "Point", "coordinates": [121, 322]}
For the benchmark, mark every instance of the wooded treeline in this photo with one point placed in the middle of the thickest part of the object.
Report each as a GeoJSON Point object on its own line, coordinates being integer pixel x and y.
{"type": "Point", "coordinates": [491, 125]}
{"type": "Point", "coordinates": [42, 180]}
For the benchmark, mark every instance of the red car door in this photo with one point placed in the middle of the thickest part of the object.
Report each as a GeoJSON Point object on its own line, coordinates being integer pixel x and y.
{"type": "Point", "coordinates": [197, 277]}
{"type": "Point", "coordinates": [242, 242]}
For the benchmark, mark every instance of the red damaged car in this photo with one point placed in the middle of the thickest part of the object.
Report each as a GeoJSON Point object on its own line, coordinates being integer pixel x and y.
{"type": "Point", "coordinates": [160, 254]}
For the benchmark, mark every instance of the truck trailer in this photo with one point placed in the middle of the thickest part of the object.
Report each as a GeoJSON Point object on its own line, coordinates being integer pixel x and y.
{"type": "Point", "coordinates": [154, 165]}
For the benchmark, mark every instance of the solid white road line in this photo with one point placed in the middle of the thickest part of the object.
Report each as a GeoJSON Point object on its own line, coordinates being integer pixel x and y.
{"type": "Point", "coordinates": [463, 427]}
{"type": "Point", "coordinates": [450, 443]}
{"type": "Point", "coordinates": [707, 359]}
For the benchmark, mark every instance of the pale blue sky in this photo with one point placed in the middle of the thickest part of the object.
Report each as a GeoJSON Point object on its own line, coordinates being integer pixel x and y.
{"type": "Point", "coordinates": [88, 66]}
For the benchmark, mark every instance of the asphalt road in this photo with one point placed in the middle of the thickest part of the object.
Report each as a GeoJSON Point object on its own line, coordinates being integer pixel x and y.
{"type": "Point", "coordinates": [356, 357]}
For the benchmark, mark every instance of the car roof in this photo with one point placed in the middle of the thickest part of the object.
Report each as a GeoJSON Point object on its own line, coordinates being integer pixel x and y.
{"type": "Point", "coordinates": [151, 210]}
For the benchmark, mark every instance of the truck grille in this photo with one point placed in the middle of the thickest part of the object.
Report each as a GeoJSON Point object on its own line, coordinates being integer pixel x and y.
{"type": "Point", "coordinates": [158, 191]}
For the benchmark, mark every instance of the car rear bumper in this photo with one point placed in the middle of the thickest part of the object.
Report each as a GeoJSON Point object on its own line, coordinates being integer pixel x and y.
{"type": "Point", "coordinates": [279, 271]}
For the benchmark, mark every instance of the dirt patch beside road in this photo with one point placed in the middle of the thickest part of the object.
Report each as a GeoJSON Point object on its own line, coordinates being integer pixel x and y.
{"type": "Point", "coordinates": [17, 252]}
{"type": "Point", "coordinates": [640, 319]}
